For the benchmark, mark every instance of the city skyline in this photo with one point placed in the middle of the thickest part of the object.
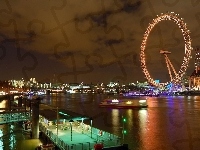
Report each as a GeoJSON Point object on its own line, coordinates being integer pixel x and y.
{"type": "Point", "coordinates": [96, 41]}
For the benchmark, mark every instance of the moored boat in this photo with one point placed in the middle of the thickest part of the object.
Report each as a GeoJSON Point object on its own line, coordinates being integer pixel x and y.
{"type": "Point", "coordinates": [124, 103]}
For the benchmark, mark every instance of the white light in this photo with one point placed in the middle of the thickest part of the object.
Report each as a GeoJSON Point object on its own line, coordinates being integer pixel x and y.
{"type": "Point", "coordinates": [129, 102]}
{"type": "Point", "coordinates": [115, 100]}
{"type": "Point", "coordinates": [142, 101]}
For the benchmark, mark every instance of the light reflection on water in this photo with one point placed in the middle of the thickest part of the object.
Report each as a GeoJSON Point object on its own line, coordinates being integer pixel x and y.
{"type": "Point", "coordinates": [7, 136]}
{"type": "Point", "coordinates": [115, 119]}
{"type": "Point", "coordinates": [143, 120]}
{"type": "Point", "coordinates": [3, 104]}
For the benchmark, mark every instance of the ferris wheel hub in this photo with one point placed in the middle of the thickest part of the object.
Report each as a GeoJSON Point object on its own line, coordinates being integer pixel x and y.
{"type": "Point", "coordinates": [164, 52]}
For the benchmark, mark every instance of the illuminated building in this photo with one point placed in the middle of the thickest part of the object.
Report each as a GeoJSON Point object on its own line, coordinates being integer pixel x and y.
{"type": "Point", "coordinates": [194, 79]}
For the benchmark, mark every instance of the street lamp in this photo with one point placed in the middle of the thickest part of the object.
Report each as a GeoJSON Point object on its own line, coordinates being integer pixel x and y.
{"type": "Point", "coordinates": [71, 121]}
{"type": "Point", "coordinates": [57, 119]}
{"type": "Point", "coordinates": [91, 126]}
{"type": "Point", "coordinates": [82, 124]}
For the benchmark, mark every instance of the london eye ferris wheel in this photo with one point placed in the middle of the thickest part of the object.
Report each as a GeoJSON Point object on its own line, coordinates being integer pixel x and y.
{"type": "Point", "coordinates": [187, 53]}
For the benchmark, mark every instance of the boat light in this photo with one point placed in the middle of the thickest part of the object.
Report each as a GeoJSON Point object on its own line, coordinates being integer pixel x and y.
{"type": "Point", "coordinates": [115, 100]}
{"type": "Point", "coordinates": [129, 102]}
{"type": "Point", "coordinates": [142, 101]}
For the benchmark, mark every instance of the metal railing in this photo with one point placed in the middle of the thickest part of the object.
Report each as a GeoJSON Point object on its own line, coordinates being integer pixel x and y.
{"type": "Point", "coordinates": [53, 137]}
{"type": "Point", "coordinates": [8, 117]}
{"type": "Point", "coordinates": [102, 136]}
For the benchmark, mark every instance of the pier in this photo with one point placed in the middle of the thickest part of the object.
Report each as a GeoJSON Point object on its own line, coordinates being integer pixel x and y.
{"type": "Point", "coordinates": [67, 130]}
{"type": "Point", "coordinates": [76, 139]}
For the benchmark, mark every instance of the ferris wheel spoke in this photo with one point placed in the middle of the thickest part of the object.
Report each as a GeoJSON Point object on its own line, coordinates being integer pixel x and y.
{"type": "Point", "coordinates": [172, 66]}
{"type": "Point", "coordinates": [168, 67]}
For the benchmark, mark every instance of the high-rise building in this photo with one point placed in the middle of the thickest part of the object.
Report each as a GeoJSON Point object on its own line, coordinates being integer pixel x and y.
{"type": "Point", "coordinates": [194, 79]}
{"type": "Point", "coordinates": [197, 59]}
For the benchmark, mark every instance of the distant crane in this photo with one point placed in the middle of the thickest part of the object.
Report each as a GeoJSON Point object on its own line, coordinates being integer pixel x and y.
{"type": "Point", "coordinates": [168, 62]}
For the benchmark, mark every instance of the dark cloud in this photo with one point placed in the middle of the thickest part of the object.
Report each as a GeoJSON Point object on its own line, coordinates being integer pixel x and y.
{"type": "Point", "coordinates": [131, 7]}
{"type": "Point", "coordinates": [112, 41]}
{"type": "Point", "coordinates": [100, 19]}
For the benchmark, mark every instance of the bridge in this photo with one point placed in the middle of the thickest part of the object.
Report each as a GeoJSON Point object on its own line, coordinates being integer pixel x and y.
{"type": "Point", "coordinates": [14, 116]}
{"type": "Point", "coordinates": [15, 110]}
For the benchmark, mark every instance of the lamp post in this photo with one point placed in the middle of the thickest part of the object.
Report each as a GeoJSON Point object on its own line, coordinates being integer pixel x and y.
{"type": "Point", "coordinates": [57, 123]}
{"type": "Point", "coordinates": [91, 126]}
{"type": "Point", "coordinates": [71, 121]}
{"type": "Point", "coordinates": [56, 111]}
{"type": "Point", "coordinates": [82, 125]}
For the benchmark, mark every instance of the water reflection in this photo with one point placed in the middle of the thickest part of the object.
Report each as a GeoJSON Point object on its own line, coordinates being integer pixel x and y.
{"type": "Point", "coordinates": [143, 120]}
{"type": "Point", "coordinates": [130, 122]}
{"type": "Point", "coordinates": [3, 105]}
{"type": "Point", "coordinates": [7, 136]}
{"type": "Point", "coordinates": [1, 141]}
{"type": "Point", "coordinates": [115, 118]}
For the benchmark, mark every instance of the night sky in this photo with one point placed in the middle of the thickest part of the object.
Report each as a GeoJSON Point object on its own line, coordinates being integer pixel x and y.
{"type": "Point", "coordinates": [91, 40]}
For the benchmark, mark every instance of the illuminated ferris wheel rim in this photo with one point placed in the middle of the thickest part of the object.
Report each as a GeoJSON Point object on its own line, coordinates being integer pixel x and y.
{"type": "Point", "coordinates": [179, 21]}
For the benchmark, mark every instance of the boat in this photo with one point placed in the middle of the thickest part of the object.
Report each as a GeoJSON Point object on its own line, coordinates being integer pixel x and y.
{"type": "Point", "coordinates": [124, 103]}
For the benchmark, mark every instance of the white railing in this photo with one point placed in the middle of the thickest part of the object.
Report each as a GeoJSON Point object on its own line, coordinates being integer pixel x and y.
{"type": "Point", "coordinates": [104, 137]}
{"type": "Point", "coordinates": [53, 137]}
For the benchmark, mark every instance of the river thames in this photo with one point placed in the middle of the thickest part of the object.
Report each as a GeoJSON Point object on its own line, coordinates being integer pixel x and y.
{"type": "Point", "coordinates": [168, 123]}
